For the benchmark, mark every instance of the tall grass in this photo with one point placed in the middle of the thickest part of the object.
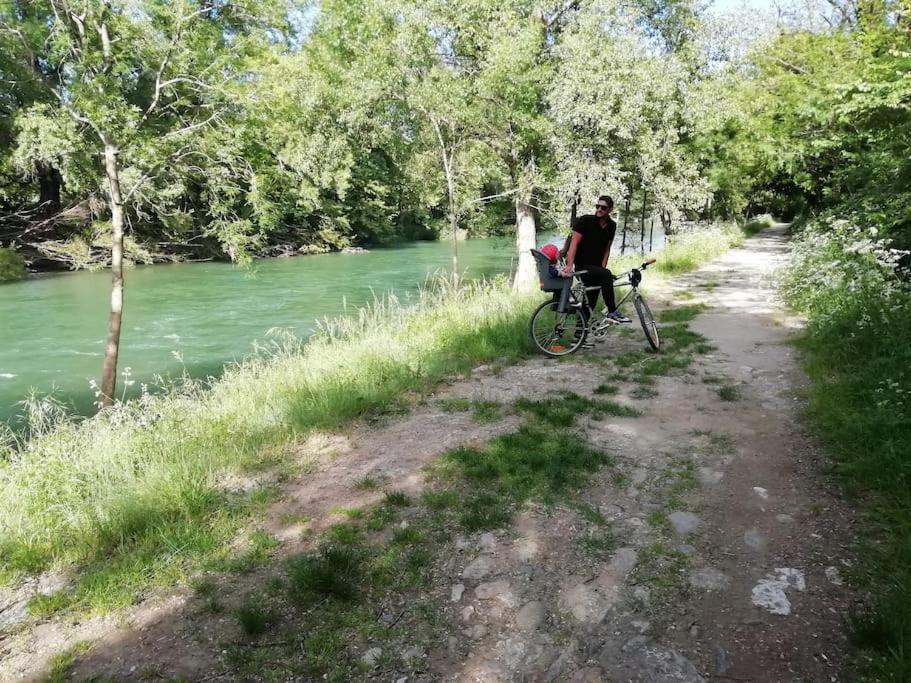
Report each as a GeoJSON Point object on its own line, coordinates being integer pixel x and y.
{"type": "Point", "coordinates": [857, 353]}
{"type": "Point", "coordinates": [140, 475]}
{"type": "Point", "coordinates": [688, 251]}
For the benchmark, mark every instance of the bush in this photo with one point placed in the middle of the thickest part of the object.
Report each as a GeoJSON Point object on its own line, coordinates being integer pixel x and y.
{"type": "Point", "coordinates": [857, 353]}
{"type": "Point", "coordinates": [12, 265]}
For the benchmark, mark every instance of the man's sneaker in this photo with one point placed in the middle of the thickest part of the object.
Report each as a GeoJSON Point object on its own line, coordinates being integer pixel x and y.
{"type": "Point", "coordinates": [587, 344]}
{"type": "Point", "coordinates": [618, 317]}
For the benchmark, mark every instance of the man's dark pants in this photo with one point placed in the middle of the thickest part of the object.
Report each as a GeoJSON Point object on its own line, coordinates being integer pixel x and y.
{"type": "Point", "coordinates": [597, 275]}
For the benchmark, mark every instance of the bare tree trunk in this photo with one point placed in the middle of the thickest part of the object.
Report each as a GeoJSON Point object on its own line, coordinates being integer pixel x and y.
{"type": "Point", "coordinates": [574, 211]}
{"type": "Point", "coordinates": [666, 223]}
{"type": "Point", "coordinates": [642, 222]}
{"type": "Point", "coordinates": [526, 229]}
{"type": "Point", "coordinates": [453, 224]}
{"type": "Point", "coordinates": [625, 219]}
{"type": "Point", "coordinates": [651, 234]}
{"type": "Point", "coordinates": [112, 347]}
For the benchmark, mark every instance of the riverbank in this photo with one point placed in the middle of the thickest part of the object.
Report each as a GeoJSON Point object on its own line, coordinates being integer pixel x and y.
{"type": "Point", "coordinates": [140, 495]}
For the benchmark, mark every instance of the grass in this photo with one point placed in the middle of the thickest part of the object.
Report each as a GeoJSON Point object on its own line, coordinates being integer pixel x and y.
{"type": "Point", "coordinates": [482, 411]}
{"type": "Point", "coordinates": [643, 392]}
{"type": "Point", "coordinates": [606, 389]}
{"type": "Point", "coordinates": [757, 225]}
{"type": "Point", "coordinates": [860, 407]}
{"type": "Point", "coordinates": [681, 314]}
{"type": "Point", "coordinates": [562, 409]}
{"type": "Point", "coordinates": [729, 392]}
{"type": "Point", "coordinates": [687, 252]}
{"type": "Point", "coordinates": [119, 492]}
{"type": "Point", "coordinates": [253, 618]}
{"type": "Point", "coordinates": [366, 583]}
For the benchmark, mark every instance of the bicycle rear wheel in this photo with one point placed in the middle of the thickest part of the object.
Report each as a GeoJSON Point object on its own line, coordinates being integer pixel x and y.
{"type": "Point", "coordinates": [555, 333]}
{"type": "Point", "coordinates": [649, 326]}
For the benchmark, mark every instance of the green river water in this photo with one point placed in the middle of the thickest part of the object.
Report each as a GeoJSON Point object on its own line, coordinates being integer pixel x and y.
{"type": "Point", "coordinates": [197, 316]}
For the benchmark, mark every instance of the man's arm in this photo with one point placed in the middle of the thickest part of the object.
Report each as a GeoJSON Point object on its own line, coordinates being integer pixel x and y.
{"type": "Point", "coordinates": [607, 254]}
{"type": "Point", "coordinates": [571, 254]}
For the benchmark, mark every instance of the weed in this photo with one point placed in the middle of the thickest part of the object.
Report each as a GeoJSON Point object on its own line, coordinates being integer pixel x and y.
{"type": "Point", "coordinates": [253, 618]}
{"type": "Point", "coordinates": [119, 479]}
{"type": "Point", "coordinates": [486, 411]}
{"type": "Point", "coordinates": [643, 392]}
{"type": "Point", "coordinates": [486, 510]}
{"type": "Point", "coordinates": [366, 484]}
{"type": "Point", "coordinates": [729, 392]}
{"type": "Point", "coordinates": [440, 500]}
{"type": "Point", "coordinates": [455, 405]}
{"type": "Point", "coordinates": [681, 314]}
{"type": "Point", "coordinates": [563, 409]}
{"type": "Point", "coordinates": [345, 534]}
{"type": "Point", "coordinates": [44, 606]}
{"type": "Point", "coordinates": [606, 389]}
{"type": "Point", "coordinates": [335, 571]}
{"type": "Point", "coordinates": [599, 543]}
{"type": "Point", "coordinates": [396, 499]}
{"type": "Point", "coordinates": [60, 664]}
{"type": "Point", "coordinates": [590, 514]}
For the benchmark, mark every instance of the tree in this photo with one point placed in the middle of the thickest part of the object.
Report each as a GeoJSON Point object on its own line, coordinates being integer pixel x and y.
{"type": "Point", "coordinates": [141, 81]}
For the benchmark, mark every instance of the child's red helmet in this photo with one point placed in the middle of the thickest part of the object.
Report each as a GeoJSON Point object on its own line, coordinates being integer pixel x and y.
{"type": "Point", "coordinates": [551, 252]}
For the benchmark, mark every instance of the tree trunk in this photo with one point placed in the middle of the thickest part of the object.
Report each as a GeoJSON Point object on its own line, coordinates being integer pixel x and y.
{"type": "Point", "coordinates": [642, 222]}
{"type": "Point", "coordinates": [625, 220]}
{"type": "Point", "coordinates": [526, 229]}
{"type": "Point", "coordinates": [112, 347]}
{"type": "Point", "coordinates": [454, 226]}
{"type": "Point", "coordinates": [666, 222]}
{"type": "Point", "coordinates": [49, 181]}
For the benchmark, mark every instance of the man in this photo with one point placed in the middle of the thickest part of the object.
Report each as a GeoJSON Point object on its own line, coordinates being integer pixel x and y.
{"type": "Point", "coordinates": [589, 250]}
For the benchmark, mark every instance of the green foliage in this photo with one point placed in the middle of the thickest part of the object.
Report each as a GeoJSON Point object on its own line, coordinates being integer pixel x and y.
{"type": "Point", "coordinates": [12, 265]}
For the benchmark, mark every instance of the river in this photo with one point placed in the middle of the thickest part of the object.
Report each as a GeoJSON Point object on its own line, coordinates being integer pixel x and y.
{"type": "Point", "coordinates": [198, 316]}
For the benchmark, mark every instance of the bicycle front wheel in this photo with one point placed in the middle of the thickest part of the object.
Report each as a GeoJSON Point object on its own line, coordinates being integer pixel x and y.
{"type": "Point", "coordinates": [555, 333]}
{"type": "Point", "coordinates": [649, 326]}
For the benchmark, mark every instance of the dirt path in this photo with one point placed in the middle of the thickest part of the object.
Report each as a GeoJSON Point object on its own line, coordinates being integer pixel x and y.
{"type": "Point", "coordinates": [725, 541]}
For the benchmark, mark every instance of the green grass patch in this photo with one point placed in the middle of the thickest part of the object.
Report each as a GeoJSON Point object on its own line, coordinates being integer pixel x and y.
{"type": "Point", "coordinates": [757, 225]}
{"type": "Point", "coordinates": [860, 407]}
{"type": "Point", "coordinates": [643, 392]}
{"type": "Point", "coordinates": [366, 484]}
{"type": "Point", "coordinates": [561, 410]}
{"type": "Point", "coordinates": [606, 389]}
{"type": "Point", "coordinates": [681, 314]}
{"type": "Point", "coordinates": [597, 543]}
{"type": "Point", "coordinates": [482, 411]}
{"type": "Point", "coordinates": [729, 392]}
{"type": "Point", "coordinates": [396, 499]}
{"type": "Point", "coordinates": [688, 252]}
{"type": "Point", "coordinates": [254, 618]}
{"type": "Point", "coordinates": [59, 666]}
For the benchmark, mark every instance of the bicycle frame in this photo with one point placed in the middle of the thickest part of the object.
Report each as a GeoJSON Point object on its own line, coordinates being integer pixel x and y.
{"type": "Point", "coordinates": [633, 278]}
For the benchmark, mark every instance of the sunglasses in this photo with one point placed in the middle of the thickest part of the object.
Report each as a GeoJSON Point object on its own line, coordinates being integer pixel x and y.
{"type": "Point", "coordinates": [602, 206]}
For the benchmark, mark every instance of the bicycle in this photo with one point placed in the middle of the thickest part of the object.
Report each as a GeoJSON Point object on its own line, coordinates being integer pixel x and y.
{"type": "Point", "coordinates": [559, 326]}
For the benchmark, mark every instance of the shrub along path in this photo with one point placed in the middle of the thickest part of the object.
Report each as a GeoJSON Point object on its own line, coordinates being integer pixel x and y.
{"type": "Point", "coordinates": [618, 515]}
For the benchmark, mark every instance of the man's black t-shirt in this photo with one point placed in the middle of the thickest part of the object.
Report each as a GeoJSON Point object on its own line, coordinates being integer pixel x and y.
{"type": "Point", "coordinates": [595, 240]}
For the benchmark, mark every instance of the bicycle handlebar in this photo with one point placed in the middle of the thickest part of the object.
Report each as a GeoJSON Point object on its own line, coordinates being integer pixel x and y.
{"type": "Point", "coordinates": [616, 277]}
